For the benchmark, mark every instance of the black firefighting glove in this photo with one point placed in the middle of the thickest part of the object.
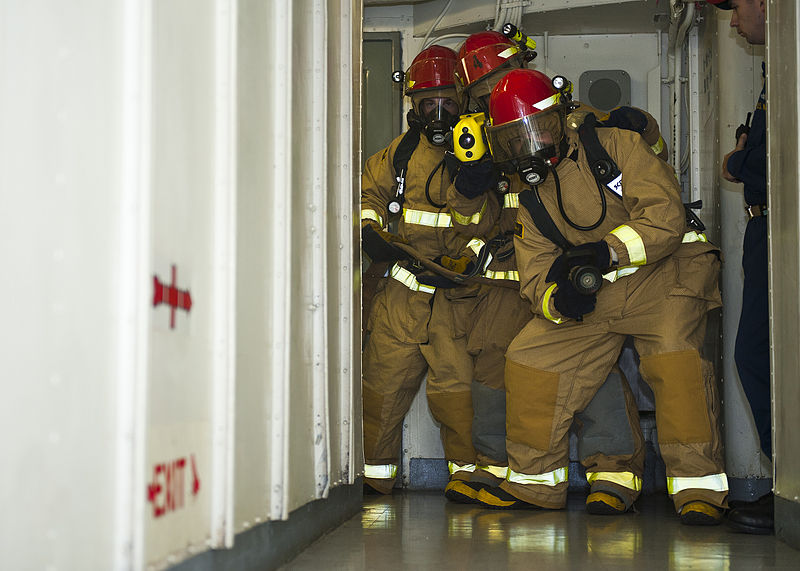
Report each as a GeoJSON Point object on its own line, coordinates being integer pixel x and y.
{"type": "Point", "coordinates": [378, 245]}
{"type": "Point", "coordinates": [568, 301]}
{"type": "Point", "coordinates": [473, 178]}
{"type": "Point", "coordinates": [592, 253]}
{"type": "Point", "coordinates": [571, 303]}
{"type": "Point", "coordinates": [627, 118]}
{"type": "Point", "coordinates": [462, 265]}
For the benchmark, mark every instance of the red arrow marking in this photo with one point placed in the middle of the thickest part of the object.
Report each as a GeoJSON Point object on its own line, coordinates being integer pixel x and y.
{"type": "Point", "coordinates": [195, 479]}
{"type": "Point", "coordinates": [172, 296]}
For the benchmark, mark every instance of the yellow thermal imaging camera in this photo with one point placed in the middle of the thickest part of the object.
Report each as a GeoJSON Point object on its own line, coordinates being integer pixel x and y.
{"type": "Point", "coordinates": [468, 142]}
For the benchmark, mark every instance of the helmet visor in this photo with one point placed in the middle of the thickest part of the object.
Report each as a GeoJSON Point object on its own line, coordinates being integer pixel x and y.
{"type": "Point", "coordinates": [531, 135]}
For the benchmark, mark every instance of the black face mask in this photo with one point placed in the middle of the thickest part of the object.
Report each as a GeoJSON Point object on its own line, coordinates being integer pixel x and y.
{"type": "Point", "coordinates": [533, 170]}
{"type": "Point", "coordinates": [439, 125]}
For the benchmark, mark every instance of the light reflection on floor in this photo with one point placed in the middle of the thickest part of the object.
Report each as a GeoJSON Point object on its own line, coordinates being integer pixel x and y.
{"type": "Point", "coordinates": [422, 530]}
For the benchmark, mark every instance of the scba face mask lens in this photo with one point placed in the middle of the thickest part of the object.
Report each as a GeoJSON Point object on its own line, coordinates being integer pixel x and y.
{"type": "Point", "coordinates": [438, 120]}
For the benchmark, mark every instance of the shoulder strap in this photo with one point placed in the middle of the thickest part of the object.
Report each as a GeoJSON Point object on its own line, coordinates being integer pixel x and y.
{"type": "Point", "coordinates": [603, 167]}
{"type": "Point", "coordinates": [403, 152]}
{"type": "Point", "coordinates": [531, 200]}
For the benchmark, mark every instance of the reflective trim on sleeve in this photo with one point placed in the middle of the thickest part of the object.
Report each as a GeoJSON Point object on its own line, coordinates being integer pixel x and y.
{"type": "Point", "coordinates": [369, 214]}
{"type": "Point", "coordinates": [659, 146]}
{"type": "Point", "coordinates": [424, 218]}
{"type": "Point", "coordinates": [476, 245]}
{"type": "Point", "coordinates": [553, 478]}
{"type": "Point", "coordinates": [714, 482]}
{"type": "Point", "coordinates": [380, 471]}
{"type": "Point", "coordinates": [466, 220]}
{"type": "Point", "coordinates": [512, 275]}
{"type": "Point", "coordinates": [511, 200]}
{"type": "Point", "coordinates": [633, 243]}
{"type": "Point", "coordinates": [496, 471]}
{"type": "Point", "coordinates": [694, 236]}
{"type": "Point", "coordinates": [453, 467]}
{"type": "Point", "coordinates": [620, 273]}
{"type": "Point", "coordinates": [625, 479]}
{"type": "Point", "coordinates": [546, 305]}
{"type": "Point", "coordinates": [410, 280]}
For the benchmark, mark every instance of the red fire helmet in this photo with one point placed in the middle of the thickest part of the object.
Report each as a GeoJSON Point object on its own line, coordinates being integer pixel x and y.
{"type": "Point", "coordinates": [433, 68]}
{"type": "Point", "coordinates": [519, 93]}
{"type": "Point", "coordinates": [483, 53]}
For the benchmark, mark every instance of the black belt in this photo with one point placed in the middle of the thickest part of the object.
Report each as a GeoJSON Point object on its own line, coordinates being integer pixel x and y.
{"type": "Point", "coordinates": [754, 210]}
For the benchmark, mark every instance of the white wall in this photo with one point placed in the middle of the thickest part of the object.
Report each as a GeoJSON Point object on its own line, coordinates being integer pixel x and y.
{"type": "Point", "coordinates": [218, 138]}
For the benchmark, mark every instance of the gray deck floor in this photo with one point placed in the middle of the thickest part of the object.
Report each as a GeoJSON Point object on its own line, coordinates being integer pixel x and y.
{"type": "Point", "coordinates": [422, 530]}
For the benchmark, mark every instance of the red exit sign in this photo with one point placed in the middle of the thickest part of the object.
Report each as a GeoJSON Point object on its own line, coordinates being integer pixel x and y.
{"type": "Point", "coordinates": [167, 489]}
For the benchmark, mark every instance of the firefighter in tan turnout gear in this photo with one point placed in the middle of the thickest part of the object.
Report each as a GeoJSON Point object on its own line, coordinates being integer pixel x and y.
{"type": "Point", "coordinates": [604, 252]}
{"type": "Point", "coordinates": [610, 442]}
{"type": "Point", "coordinates": [420, 322]}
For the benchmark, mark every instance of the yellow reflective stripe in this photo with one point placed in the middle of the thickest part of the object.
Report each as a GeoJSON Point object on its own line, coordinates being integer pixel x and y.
{"type": "Point", "coordinates": [474, 219]}
{"type": "Point", "coordinates": [476, 244]}
{"type": "Point", "coordinates": [557, 476]}
{"type": "Point", "coordinates": [424, 218]}
{"type": "Point", "coordinates": [625, 479]}
{"type": "Point", "coordinates": [549, 102]}
{"type": "Point", "coordinates": [659, 146]}
{"type": "Point", "coordinates": [496, 471]}
{"type": "Point", "coordinates": [369, 214]}
{"type": "Point", "coordinates": [546, 305]}
{"type": "Point", "coordinates": [620, 273]}
{"type": "Point", "coordinates": [465, 220]}
{"type": "Point", "coordinates": [694, 236]}
{"type": "Point", "coordinates": [511, 200]}
{"type": "Point", "coordinates": [380, 471]}
{"type": "Point", "coordinates": [633, 243]}
{"type": "Point", "coordinates": [714, 482]}
{"type": "Point", "coordinates": [410, 280]}
{"type": "Point", "coordinates": [508, 52]}
{"type": "Point", "coordinates": [453, 467]}
{"type": "Point", "coordinates": [512, 275]}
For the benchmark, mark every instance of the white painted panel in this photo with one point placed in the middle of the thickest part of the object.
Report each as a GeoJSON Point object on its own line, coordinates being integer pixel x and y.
{"type": "Point", "coordinates": [570, 56]}
{"type": "Point", "coordinates": [60, 204]}
{"type": "Point", "coordinates": [259, 268]}
{"type": "Point", "coordinates": [783, 126]}
{"type": "Point", "coordinates": [190, 393]}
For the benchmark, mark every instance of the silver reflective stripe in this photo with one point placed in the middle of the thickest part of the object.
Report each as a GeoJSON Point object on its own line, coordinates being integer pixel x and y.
{"type": "Point", "coordinates": [369, 214]}
{"type": "Point", "coordinates": [476, 245]}
{"type": "Point", "coordinates": [512, 275]}
{"type": "Point", "coordinates": [453, 467]}
{"type": "Point", "coordinates": [714, 482]}
{"type": "Point", "coordinates": [688, 238]}
{"type": "Point", "coordinates": [423, 218]}
{"type": "Point", "coordinates": [496, 471]}
{"type": "Point", "coordinates": [620, 273]}
{"type": "Point", "coordinates": [380, 471]}
{"type": "Point", "coordinates": [625, 479]}
{"type": "Point", "coordinates": [511, 200]}
{"type": "Point", "coordinates": [694, 236]}
{"type": "Point", "coordinates": [410, 280]}
{"type": "Point", "coordinates": [553, 478]}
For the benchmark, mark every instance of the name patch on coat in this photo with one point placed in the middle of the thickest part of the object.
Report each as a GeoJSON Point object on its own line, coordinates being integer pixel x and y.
{"type": "Point", "coordinates": [519, 230]}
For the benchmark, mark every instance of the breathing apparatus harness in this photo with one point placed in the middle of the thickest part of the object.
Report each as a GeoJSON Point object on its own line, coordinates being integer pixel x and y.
{"type": "Point", "coordinates": [607, 175]}
{"type": "Point", "coordinates": [402, 156]}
